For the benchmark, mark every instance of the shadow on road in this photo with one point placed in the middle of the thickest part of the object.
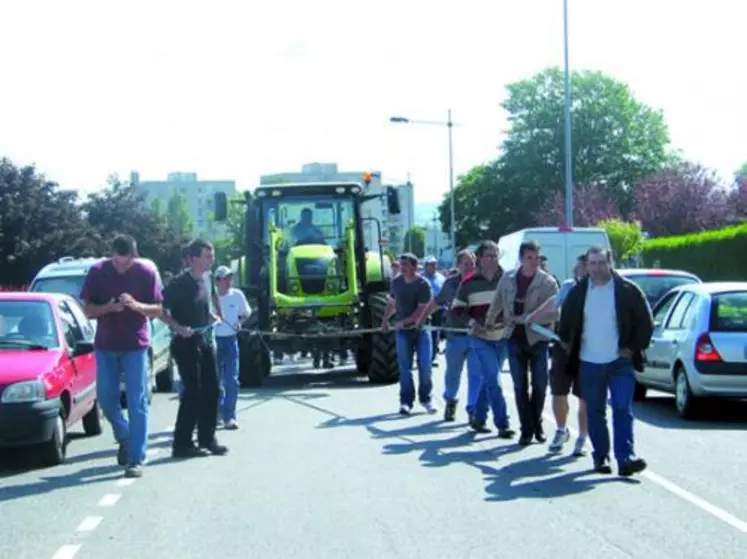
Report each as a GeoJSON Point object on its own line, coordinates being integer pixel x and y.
{"type": "Point", "coordinates": [716, 415]}
{"type": "Point", "coordinates": [46, 484]}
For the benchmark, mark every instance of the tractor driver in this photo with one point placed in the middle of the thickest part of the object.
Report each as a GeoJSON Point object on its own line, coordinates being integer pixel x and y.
{"type": "Point", "coordinates": [305, 232]}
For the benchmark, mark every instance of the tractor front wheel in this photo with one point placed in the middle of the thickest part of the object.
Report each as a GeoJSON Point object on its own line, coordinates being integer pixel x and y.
{"type": "Point", "coordinates": [379, 357]}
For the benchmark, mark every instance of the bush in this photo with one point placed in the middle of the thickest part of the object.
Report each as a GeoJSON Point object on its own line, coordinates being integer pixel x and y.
{"type": "Point", "coordinates": [625, 237]}
{"type": "Point", "coordinates": [717, 255]}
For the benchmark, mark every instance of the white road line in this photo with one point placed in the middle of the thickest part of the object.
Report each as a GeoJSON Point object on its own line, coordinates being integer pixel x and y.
{"type": "Point", "coordinates": [152, 451]}
{"type": "Point", "coordinates": [67, 551]}
{"type": "Point", "coordinates": [125, 482]}
{"type": "Point", "coordinates": [684, 494]}
{"type": "Point", "coordinates": [168, 429]}
{"type": "Point", "coordinates": [109, 500]}
{"type": "Point", "coordinates": [89, 523]}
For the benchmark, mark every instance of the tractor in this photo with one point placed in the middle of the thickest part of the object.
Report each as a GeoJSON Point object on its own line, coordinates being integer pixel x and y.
{"type": "Point", "coordinates": [311, 283]}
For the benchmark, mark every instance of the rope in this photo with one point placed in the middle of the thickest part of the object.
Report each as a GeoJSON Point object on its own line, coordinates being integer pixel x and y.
{"type": "Point", "coordinates": [349, 333]}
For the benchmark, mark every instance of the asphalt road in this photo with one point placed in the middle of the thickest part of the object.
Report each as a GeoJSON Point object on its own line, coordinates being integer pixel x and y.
{"type": "Point", "coordinates": [323, 467]}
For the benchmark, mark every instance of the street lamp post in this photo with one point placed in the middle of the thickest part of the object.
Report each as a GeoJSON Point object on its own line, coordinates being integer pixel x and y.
{"type": "Point", "coordinates": [568, 153]}
{"type": "Point", "coordinates": [450, 125]}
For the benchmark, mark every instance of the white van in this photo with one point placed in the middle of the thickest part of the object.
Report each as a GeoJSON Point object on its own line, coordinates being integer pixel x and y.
{"type": "Point", "coordinates": [561, 245]}
{"type": "Point", "coordinates": [68, 274]}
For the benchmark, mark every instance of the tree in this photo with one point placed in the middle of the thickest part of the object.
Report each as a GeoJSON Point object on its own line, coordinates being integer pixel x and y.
{"type": "Point", "coordinates": [590, 206]}
{"type": "Point", "coordinates": [683, 198]}
{"type": "Point", "coordinates": [742, 172]}
{"type": "Point", "coordinates": [121, 209]}
{"type": "Point", "coordinates": [39, 223]}
{"type": "Point", "coordinates": [415, 241]}
{"type": "Point", "coordinates": [178, 218]}
{"type": "Point", "coordinates": [738, 199]}
{"type": "Point", "coordinates": [231, 246]}
{"type": "Point", "coordinates": [626, 237]}
{"type": "Point", "coordinates": [616, 140]}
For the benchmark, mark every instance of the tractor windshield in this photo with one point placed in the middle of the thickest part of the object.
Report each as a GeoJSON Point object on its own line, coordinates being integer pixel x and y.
{"type": "Point", "coordinates": [304, 220]}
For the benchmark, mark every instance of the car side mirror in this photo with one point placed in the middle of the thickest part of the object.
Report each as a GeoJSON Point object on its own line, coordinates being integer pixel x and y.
{"type": "Point", "coordinates": [82, 348]}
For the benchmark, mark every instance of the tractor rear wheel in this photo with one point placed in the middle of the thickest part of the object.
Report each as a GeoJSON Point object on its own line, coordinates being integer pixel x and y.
{"type": "Point", "coordinates": [254, 358]}
{"type": "Point", "coordinates": [379, 358]}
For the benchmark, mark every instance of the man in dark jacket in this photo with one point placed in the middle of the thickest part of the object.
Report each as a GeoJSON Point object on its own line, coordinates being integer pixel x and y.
{"type": "Point", "coordinates": [605, 326]}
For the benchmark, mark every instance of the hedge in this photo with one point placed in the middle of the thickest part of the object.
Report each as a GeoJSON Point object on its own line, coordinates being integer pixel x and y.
{"type": "Point", "coordinates": [719, 255]}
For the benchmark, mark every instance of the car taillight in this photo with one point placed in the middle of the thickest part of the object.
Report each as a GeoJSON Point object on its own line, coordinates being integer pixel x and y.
{"type": "Point", "coordinates": [705, 350]}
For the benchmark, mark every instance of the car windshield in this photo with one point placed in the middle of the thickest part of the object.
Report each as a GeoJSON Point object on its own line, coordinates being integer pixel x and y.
{"type": "Point", "coordinates": [655, 286]}
{"type": "Point", "coordinates": [729, 312]}
{"type": "Point", "coordinates": [69, 285]}
{"type": "Point", "coordinates": [310, 219]}
{"type": "Point", "coordinates": [27, 325]}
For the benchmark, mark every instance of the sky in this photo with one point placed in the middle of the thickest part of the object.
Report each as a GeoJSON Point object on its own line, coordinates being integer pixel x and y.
{"type": "Point", "coordinates": [232, 90]}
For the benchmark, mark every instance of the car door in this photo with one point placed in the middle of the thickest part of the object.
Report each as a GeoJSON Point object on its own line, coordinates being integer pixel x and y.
{"type": "Point", "coordinates": [654, 355]}
{"type": "Point", "coordinates": [672, 336]}
{"type": "Point", "coordinates": [83, 366]}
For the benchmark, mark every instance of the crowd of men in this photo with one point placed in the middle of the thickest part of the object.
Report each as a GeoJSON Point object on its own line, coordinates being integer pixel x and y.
{"type": "Point", "coordinates": [601, 323]}
{"type": "Point", "coordinates": [123, 294]}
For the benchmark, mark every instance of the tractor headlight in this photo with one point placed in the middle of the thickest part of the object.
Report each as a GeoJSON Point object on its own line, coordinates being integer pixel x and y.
{"type": "Point", "coordinates": [24, 392]}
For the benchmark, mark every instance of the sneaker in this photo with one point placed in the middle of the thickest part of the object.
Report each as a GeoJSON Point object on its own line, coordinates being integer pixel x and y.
{"type": "Point", "coordinates": [404, 409]}
{"type": "Point", "coordinates": [230, 425]}
{"type": "Point", "coordinates": [526, 439]}
{"type": "Point", "coordinates": [602, 466]}
{"type": "Point", "coordinates": [215, 449]}
{"type": "Point", "coordinates": [122, 455]}
{"type": "Point", "coordinates": [579, 448]}
{"type": "Point", "coordinates": [631, 466]}
{"type": "Point", "coordinates": [450, 411]}
{"type": "Point", "coordinates": [561, 437]}
{"type": "Point", "coordinates": [429, 407]}
{"type": "Point", "coordinates": [187, 452]}
{"type": "Point", "coordinates": [505, 433]}
{"type": "Point", "coordinates": [134, 471]}
{"type": "Point", "coordinates": [478, 427]}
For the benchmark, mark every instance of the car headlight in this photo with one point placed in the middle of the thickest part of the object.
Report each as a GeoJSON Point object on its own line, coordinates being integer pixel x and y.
{"type": "Point", "coordinates": [24, 392]}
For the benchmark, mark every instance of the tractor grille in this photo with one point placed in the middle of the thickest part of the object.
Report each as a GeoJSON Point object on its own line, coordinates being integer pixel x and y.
{"type": "Point", "coordinates": [312, 273]}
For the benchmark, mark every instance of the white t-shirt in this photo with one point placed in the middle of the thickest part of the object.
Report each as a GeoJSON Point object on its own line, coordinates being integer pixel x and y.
{"type": "Point", "coordinates": [600, 338]}
{"type": "Point", "coordinates": [233, 304]}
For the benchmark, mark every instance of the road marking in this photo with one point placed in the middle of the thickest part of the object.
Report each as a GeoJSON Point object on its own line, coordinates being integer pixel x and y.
{"type": "Point", "coordinates": [168, 429]}
{"type": "Point", "coordinates": [67, 551]}
{"type": "Point", "coordinates": [684, 494]}
{"type": "Point", "coordinates": [89, 523]}
{"type": "Point", "coordinates": [109, 500]}
{"type": "Point", "coordinates": [125, 482]}
{"type": "Point", "coordinates": [152, 451]}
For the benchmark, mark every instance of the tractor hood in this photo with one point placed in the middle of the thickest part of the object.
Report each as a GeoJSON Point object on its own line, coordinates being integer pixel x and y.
{"type": "Point", "coordinates": [309, 267]}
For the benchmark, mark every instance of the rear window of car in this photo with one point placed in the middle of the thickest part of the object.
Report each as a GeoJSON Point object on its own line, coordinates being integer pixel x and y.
{"type": "Point", "coordinates": [729, 312]}
{"type": "Point", "coordinates": [655, 286]}
{"type": "Point", "coordinates": [69, 285]}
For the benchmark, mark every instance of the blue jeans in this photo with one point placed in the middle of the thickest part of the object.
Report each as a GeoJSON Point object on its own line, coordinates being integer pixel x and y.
{"type": "Point", "coordinates": [408, 343]}
{"type": "Point", "coordinates": [489, 356]}
{"type": "Point", "coordinates": [228, 375]}
{"type": "Point", "coordinates": [524, 359]}
{"type": "Point", "coordinates": [459, 350]}
{"type": "Point", "coordinates": [133, 365]}
{"type": "Point", "coordinates": [617, 377]}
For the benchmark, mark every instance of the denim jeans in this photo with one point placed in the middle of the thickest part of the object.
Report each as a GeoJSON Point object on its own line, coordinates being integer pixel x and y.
{"type": "Point", "coordinates": [228, 375]}
{"type": "Point", "coordinates": [408, 343]}
{"type": "Point", "coordinates": [459, 351]}
{"type": "Point", "coordinates": [524, 359]}
{"type": "Point", "coordinates": [133, 366]}
{"type": "Point", "coordinates": [617, 377]}
{"type": "Point", "coordinates": [489, 356]}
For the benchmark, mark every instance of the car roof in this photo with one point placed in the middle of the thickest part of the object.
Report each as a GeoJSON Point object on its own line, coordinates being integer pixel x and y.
{"type": "Point", "coordinates": [714, 287]}
{"type": "Point", "coordinates": [68, 266]}
{"type": "Point", "coordinates": [653, 272]}
{"type": "Point", "coordinates": [33, 296]}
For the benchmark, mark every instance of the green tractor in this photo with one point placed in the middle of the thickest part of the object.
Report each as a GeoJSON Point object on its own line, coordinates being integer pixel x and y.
{"type": "Point", "coordinates": [312, 284]}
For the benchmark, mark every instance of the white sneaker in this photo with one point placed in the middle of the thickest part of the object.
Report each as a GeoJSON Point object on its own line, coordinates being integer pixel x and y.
{"type": "Point", "coordinates": [561, 437]}
{"type": "Point", "coordinates": [430, 408]}
{"type": "Point", "coordinates": [404, 409]}
{"type": "Point", "coordinates": [579, 448]}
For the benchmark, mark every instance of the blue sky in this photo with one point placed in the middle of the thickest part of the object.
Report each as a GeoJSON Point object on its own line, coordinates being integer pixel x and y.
{"type": "Point", "coordinates": [234, 91]}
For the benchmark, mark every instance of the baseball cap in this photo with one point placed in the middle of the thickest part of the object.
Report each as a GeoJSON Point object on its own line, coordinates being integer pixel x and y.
{"type": "Point", "coordinates": [223, 272]}
{"type": "Point", "coordinates": [430, 260]}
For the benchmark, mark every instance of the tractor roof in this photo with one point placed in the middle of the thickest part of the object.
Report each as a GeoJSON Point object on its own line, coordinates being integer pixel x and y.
{"type": "Point", "coordinates": [308, 188]}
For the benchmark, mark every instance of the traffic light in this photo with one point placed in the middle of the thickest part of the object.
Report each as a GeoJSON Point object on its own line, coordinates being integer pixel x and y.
{"type": "Point", "coordinates": [392, 200]}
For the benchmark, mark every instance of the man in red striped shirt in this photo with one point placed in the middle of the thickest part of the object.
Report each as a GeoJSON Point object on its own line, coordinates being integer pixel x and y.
{"type": "Point", "coordinates": [474, 297]}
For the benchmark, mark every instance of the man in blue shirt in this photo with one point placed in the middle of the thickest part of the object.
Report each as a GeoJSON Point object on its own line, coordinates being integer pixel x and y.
{"type": "Point", "coordinates": [436, 279]}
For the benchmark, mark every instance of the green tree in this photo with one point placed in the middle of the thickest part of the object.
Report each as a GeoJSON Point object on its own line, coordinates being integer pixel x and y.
{"type": "Point", "coordinates": [178, 217]}
{"type": "Point", "coordinates": [415, 241]}
{"type": "Point", "coordinates": [742, 172]}
{"type": "Point", "coordinates": [616, 140]}
{"type": "Point", "coordinates": [39, 223]}
{"type": "Point", "coordinates": [626, 237]}
{"type": "Point", "coordinates": [155, 206]}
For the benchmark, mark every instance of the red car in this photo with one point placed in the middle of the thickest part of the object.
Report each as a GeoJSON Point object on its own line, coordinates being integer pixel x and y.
{"type": "Point", "coordinates": [47, 373]}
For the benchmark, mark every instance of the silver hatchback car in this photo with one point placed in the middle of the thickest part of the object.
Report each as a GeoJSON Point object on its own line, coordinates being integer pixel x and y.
{"type": "Point", "coordinates": [699, 345]}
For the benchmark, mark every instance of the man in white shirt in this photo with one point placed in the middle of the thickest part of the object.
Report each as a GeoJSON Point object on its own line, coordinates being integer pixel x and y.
{"type": "Point", "coordinates": [605, 326]}
{"type": "Point", "coordinates": [235, 310]}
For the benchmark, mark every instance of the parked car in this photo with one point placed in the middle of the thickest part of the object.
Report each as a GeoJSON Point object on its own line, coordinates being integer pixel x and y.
{"type": "Point", "coordinates": [655, 283]}
{"type": "Point", "coordinates": [47, 372]}
{"type": "Point", "coordinates": [699, 345]}
{"type": "Point", "coordinates": [67, 276]}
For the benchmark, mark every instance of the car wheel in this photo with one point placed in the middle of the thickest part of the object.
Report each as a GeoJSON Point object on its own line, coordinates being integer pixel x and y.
{"type": "Point", "coordinates": [92, 421]}
{"type": "Point", "coordinates": [684, 400]}
{"type": "Point", "coordinates": [165, 379]}
{"type": "Point", "coordinates": [54, 451]}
